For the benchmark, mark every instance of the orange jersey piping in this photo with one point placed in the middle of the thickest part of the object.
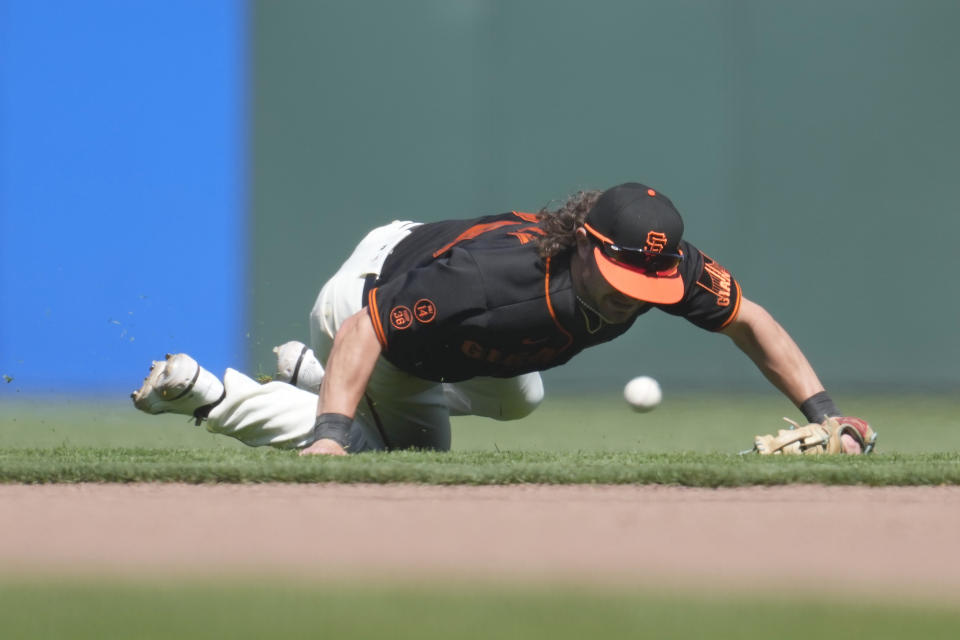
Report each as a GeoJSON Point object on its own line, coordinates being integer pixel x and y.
{"type": "Point", "coordinates": [472, 232]}
{"type": "Point", "coordinates": [546, 286]}
{"type": "Point", "coordinates": [375, 317]}
{"type": "Point", "coordinates": [479, 229]}
{"type": "Point", "coordinates": [736, 307]}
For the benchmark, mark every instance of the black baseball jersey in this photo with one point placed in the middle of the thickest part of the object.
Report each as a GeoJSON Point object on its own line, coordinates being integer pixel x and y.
{"type": "Point", "coordinates": [465, 298]}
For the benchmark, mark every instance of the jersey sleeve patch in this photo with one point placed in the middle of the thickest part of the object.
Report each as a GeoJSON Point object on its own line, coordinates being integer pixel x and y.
{"type": "Point", "coordinates": [712, 297]}
{"type": "Point", "coordinates": [401, 317]}
{"type": "Point", "coordinates": [717, 280]}
{"type": "Point", "coordinates": [425, 310]}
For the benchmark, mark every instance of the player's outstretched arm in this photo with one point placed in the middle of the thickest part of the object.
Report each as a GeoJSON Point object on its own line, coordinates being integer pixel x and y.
{"type": "Point", "coordinates": [354, 354]}
{"type": "Point", "coordinates": [774, 352]}
{"type": "Point", "coordinates": [779, 358]}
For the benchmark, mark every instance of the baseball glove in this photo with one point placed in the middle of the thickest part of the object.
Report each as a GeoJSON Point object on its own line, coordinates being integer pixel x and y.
{"type": "Point", "coordinates": [826, 437]}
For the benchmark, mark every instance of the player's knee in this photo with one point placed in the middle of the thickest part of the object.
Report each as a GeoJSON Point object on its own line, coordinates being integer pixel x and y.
{"type": "Point", "coordinates": [523, 403]}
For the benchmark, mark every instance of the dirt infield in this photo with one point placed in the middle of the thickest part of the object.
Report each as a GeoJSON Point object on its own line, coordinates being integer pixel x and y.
{"type": "Point", "coordinates": [901, 538]}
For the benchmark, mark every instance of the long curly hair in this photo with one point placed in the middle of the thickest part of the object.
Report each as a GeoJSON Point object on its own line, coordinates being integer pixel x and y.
{"type": "Point", "coordinates": [561, 224]}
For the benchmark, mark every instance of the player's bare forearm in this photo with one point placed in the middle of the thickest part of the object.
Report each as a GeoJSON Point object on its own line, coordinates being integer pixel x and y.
{"type": "Point", "coordinates": [354, 354]}
{"type": "Point", "coordinates": [351, 362]}
{"type": "Point", "coordinates": [774, 352]}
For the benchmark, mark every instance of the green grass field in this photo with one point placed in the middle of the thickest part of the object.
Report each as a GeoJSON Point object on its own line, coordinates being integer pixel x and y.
{"type": "Point", "coordinates": [691, 440]}
{"type": "Point", "coordinates": [84, 609]}
{"type": "Point", "coordinates": [703, 423]}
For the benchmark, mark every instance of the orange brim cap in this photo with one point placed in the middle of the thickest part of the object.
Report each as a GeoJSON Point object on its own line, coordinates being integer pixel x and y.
{"type": "Point", "coordinates": [659, 289]}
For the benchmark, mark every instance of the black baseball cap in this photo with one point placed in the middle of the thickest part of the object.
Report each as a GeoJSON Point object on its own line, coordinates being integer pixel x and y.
{"type": "Point", "coordinates": [637, 231]}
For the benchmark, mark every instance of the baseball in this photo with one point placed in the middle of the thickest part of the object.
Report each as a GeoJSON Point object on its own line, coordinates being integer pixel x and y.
{"type": "Point", "coordinates": [643, 393]}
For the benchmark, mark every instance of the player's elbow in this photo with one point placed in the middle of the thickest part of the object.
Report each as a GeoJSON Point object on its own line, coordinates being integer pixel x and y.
{"type": "Point", "coordinates": [750, 316]}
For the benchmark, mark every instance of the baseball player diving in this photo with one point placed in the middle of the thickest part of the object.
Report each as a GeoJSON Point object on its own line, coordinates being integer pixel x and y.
{"type": "Point", "coordinates": [426, 321]}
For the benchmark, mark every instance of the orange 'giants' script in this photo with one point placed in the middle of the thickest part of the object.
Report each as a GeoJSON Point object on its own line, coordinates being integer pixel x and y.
{"type": "Point", "coordinates": [719, 281]}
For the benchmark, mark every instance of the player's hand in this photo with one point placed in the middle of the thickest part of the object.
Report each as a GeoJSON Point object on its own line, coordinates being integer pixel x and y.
{"type": "Point", "coordinates": [851, 443]}
{"type": "Point", "coordinates": [330, 430]}
{"type": "Point", "coordinates": [324, 447]}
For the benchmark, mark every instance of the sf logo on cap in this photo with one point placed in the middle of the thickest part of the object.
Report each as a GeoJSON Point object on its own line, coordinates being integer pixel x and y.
{"type": "Point", "coordinates": [656, 241]}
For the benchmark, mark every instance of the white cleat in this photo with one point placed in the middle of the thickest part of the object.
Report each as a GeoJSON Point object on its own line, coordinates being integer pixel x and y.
{"type": "Point", "coordinates": [177, 385]}
{"type": "Point", "coordinates": [297, 365]}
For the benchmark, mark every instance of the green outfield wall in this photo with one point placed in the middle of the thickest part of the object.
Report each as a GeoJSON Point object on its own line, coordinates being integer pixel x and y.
{"type": "Point", "coordinates": [812, 148]}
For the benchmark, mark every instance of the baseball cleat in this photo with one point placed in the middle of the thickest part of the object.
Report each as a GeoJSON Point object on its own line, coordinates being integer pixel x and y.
{"type": "Point", "coordinates": [178, 385]}
{"type": "Point", "coordinates": [297, 365]}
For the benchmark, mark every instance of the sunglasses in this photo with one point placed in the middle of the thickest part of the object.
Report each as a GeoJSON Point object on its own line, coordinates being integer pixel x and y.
{"type": "Point", "coordinates": [650, 262]}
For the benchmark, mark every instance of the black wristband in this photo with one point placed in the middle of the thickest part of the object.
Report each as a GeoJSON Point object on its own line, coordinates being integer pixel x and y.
{"type": "Point", "coordinates": [332, 426]}
{"type": "Point", "coordinates": [819, 407]}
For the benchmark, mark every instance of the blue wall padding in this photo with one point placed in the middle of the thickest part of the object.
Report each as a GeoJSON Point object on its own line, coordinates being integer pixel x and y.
{"type": "Point", "coordinates": [122, 189]}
